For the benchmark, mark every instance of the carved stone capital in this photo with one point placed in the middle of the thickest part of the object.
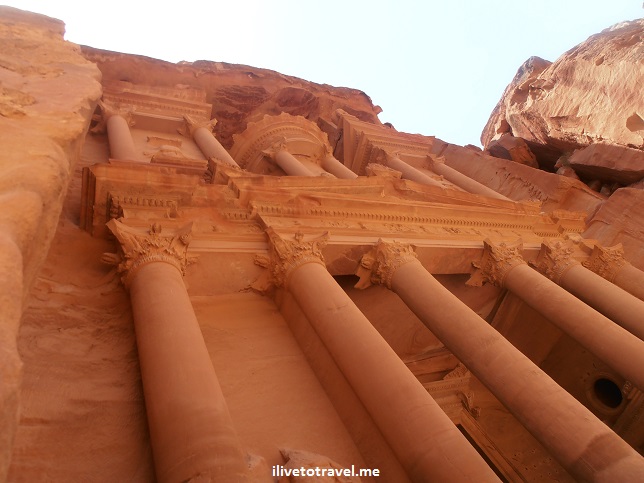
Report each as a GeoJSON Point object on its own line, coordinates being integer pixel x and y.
{"type": "Point", "coordinates": [109, 109]}
{"type": "Point", "coordinates": [286, 255]}
{"type": "Point", "coordinates": [191, 125]}
{"type": "Point", "coordinates": [277, 146]}
{"type": "Point", "coordinates": [606, 261]}
{"type": "Point", "coordinates": [555, 259]}
{"type": "Point", "coordinates": [497, 260]}
{"type": "Point", "coordinates": [379, 265]}
{"type": "Point", "coordinates": [137, 248]}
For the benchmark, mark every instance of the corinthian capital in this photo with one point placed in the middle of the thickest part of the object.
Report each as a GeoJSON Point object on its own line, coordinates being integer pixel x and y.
{"type": "Point", "coordinates": [497, 260]}
{"type": "Point", "coordinates": [287, 254]}
{"type": "Point", "coordinates": [379, 265]}
{"type": "Point", "coordinates": [606, 261]}
{"type": "Point", "coordinates": [136, 248]}
{"type": "Point", "coordinates": [555, 259]}
{"type": "Point", "coordinates": [191, 125]}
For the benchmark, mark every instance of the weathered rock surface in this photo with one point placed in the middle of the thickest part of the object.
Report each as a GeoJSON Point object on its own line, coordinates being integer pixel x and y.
{"type": "Point", "coordinates": [42, 125]}
{"type": "Point", "coordinates": [514, 149]}
{"type": "Point", "coordinates": [591, 94]}
{"type": "Point", "coordinates": [609, 163]}
{"type": "Point", "coordinates": [238, 93]}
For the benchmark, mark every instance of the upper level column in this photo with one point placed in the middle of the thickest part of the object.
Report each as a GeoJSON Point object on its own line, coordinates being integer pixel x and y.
{"type": "Point", "coordinates": [609, 262]}
{"type": "Point", "coordinates": [335, 167]}
{"type": "Point", "coordinates": [409, 172]}
{"type": "Point", "coordinates": [119, 137]}
{"type": "Point", "coordinates": [287, 161]}
{"type": "Point", "coordinates": [581, 443]}
{"type": "Point", "coordinates": [556, 262]}
{"type": "Point", "coordinates": [191, 433]}
{"type": "Point", "coordinates": [424, 439]}
{"type": "Point", "coordinates": [503, 266]}
{"type": "Point", "coordinates": [207, 142]}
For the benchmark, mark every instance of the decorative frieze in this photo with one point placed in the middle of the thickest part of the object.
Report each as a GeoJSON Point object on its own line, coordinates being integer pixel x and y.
{"type": "Point", "coordinates": [285, 255]}
{"type": "Point", "coordinates": [379, 265]}
{"type": "Point", "coordinates": [606, 261]}
{"type": "Point", "coordinates": [497, 260]}
{"type": "Point", "coordinates": [555, 259]}
{"type": "Point", "coordinates": [138, 248]}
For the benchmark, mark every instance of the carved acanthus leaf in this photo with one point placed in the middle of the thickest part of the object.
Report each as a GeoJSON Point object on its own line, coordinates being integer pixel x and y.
{"type": "Point", "coordinates": [497, 260]}
{"type": "Point", "coordinates": [138, 248]}
{"type": "Point", "coordinates": [379, 265]}
{"type": "Point", "coordinates": [191, 125]}
{"type": "Point", "coordinates": [606, 261]}
{"type": "Point", "coordinates": [555, 259]}
{"type": "Point", "coordinates": [285, 255]}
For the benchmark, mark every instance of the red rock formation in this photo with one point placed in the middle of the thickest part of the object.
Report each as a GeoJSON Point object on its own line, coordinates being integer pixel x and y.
{"type": "Point", "coordinates": [591, 94]}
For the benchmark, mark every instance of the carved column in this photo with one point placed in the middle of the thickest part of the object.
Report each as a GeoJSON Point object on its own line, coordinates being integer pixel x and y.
{"type": "Point", "coordinates": [285, 160]}
{"type": "Point", "coordinates": [463, 181]}
{"type": "Point", "coordinates": [207, 142]}
{"type": "Point", "coordinates": [425, 441]}
{"type": "Point", "coordinates": [503, 266]}
{"type": "Point", "coordinates": [191, 433]}
{"type": "Point", "coordinates": [609, 263]}
{"type": "Point", "coordinates": [409, 172]}
{"type": "Point", "coordinates": [556, 262]}
{"type": "Point", "coordinates": [335, 167]}
{"type": "Point", "coordinates": [119, 137]}
{"type": "Point", "coordinates": [582, 444]}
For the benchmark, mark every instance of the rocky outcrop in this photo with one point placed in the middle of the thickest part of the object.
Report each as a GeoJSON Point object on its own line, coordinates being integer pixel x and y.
{"type": "Point", "coordinates": [609, 163]}
{"type": "Point", "coordinates": [591, 94]}
{"type": "Point", "coordinates": [42, 125]}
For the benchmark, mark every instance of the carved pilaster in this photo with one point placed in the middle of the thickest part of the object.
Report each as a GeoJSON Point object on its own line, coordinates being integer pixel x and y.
{"type": "Point", "coordinates": [379, 265]}
{"type": "Point", "coordinates": [606, 261]}
{"type": "Point", "coordinates": [497, 260]}
{"type": "Point", "coordinates": [191, 125]}
{"type": "Point", "coordinates": [555, 259]}
{"type": "Point", "coordinates": [285, 255]}
{"type": "Point", "coordinates": [138, 248]}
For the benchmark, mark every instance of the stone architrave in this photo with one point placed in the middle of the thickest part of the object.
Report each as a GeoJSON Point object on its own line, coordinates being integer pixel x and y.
{"type": "Point", "coordinates": [118, 122]}
{"type": "Point", "coordinates": [609, 263]}
{"type": "Point", "coordinates": [409, 419]}
{"type": "Point", "coordinates": [503, 265]}
{"type": "Point", "coordinates": [191, 433]}
{"type": "Point", "coordinates": [207, 142]}
{"type": "Point", "coordinates": [555, 418]}
{"type": "Point", "coordinates": [555, 261]}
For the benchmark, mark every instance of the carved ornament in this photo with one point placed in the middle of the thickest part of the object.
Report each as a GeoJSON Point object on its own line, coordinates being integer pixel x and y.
{"type": "Point", "coordinates": [555, 259]}
{"type": "Point", "coordinates": [191, 125]}
{"type": "Point", "coordinates": [286, 255]}
{"type": "Point", "coordinates": [497, 260]}
{"type": "Point", "coordinates": [379, 265]}
{"type": "Point", "coordinates": [138, 248]}
{"type": "Point", "coordinates": [606, 261]}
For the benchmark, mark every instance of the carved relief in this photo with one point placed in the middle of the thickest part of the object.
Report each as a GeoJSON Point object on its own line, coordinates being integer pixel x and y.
{"type": "Point", "coordinates": [138, 248]}
{"type": "Point", "coordinates": [379, 265]}
{"type": "Point", "coordinates": [497, 260]}
{"type": "Point", "coordinates": [606, 261]}
{"type": "Point", "coordinates": [117, 202]}
{"type": "Point", "coordinates": [555, 259]}
{"type": "Point", "coordinates": [285, 255]}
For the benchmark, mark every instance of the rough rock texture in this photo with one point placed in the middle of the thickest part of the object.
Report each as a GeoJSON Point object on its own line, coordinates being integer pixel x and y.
{"type": "Point", "coordinates": [512, 148]}
{"type": "Point", "coordinates": [42, 125]}
{"type": "Point", "coordinates": [609, 163]}
{"type": "Point", "coordinates": [591, 94]}
{"type": "Point", "coordinates": [238, 93]}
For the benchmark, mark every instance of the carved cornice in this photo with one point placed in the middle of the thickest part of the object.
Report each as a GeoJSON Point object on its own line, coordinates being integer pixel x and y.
{"type": "Point", "coordinates": [286, 255]}
{"type": "Point", "coordinates": [555, 259]}
{"type": "Point", "coordinates": [138, 248]}
{"type": "Point", "coordinates": [379, 265]}
{"type": "Point", "coordinates": [497, 260]}
{"type": "Point", "coordinates": [606, 261]}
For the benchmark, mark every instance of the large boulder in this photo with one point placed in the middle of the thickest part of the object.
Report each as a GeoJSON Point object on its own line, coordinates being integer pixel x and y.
{"type": "Point", "coordinates": [591, 94]}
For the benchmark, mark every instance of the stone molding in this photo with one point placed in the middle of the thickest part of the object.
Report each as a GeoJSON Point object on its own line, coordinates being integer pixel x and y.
{"type": "Point", "coordinates": [138, 248]}
{"type": "Point", "coordinates": [497, 260]}
{"type": "Point", "coordinates": [555, 259]}
{"type": "Point", "coordinates": [286, 255]}
{"type": "Point", "coordinates": [606, 261]}
{"type": "Point", "coordinates": [379, 265]}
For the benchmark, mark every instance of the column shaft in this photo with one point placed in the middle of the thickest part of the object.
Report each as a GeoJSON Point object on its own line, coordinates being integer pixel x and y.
{"type": "Point", "coordinates": [409, 172]}
{"type": "Point", "coordinates": [211, 147]}
{"type": "Point", "coordinates": [290, 164]}
{"type": "Point", "coordinates": [612, 301]}
{"type": "Point", "coordinates": [615, 346]}
{"type": "Point", "coordinates": [580, 442]}
{"type": "Point", "coordinates": [191, 432]}
{"type": "Point", "coordinates": [465, 182]}
{"type": "Point", "coordinates": [426, 442]}
{"type": "Point", "coordinates": [335, 167]}
{"type": "Point", "coordinates": [120, 138]}
{"type": "Point", "coordinates": [630, 279]}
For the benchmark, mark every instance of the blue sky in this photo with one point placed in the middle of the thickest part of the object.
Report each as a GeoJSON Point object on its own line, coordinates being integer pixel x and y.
{"type": "Point", "coordinates": [434, 67]}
